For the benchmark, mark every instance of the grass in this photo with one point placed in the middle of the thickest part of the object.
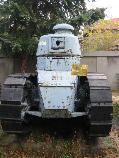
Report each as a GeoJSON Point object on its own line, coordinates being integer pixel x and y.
{"type": "Point", "coordinates": [116, 109]}
{"type": "Point", "coordinates": [67, 148]}
{"type": "Point", "coordinates": [115, 94]}
{"type": "Point", "coordinates": [2, 155]}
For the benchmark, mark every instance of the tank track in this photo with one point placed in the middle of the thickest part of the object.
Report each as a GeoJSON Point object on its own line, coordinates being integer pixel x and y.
{"type": "Point", "coordinates": [99, 108]}
{"type": "Point", "coordinates": [12, 104]}
{"type": "Point", "coordinates": [96, 99]}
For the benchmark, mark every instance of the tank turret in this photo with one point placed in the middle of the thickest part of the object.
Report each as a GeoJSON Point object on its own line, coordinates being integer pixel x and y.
{"type": "Point", "coordinates": [62, 42]}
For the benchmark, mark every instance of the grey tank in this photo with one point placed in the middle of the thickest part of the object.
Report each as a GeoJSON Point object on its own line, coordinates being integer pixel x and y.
{"type": "Point", "coordinates": [54, 92]}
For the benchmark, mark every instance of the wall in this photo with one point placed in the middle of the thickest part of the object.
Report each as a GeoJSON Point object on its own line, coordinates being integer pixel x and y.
{"type": "Point", "coordinates": [101, 62]}
{"type": "Point", "coordinates": [104, 62]}
{"type": "Point", "coordinates": [13, 65]}
{"type": "Point", "coordinates": [6, 67]}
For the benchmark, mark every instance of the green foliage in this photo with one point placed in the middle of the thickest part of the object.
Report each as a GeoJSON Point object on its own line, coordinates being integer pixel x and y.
{"type": "Point", "coordinates": [67, 156]}
{"type": "Point", "coordinates": [94, 15]}
{"type": "Point", "coordinates": [2, 155]}
{"type": "Point", "coordinates": [23, 22]}
{"type": "Point", "coordinates": [88, 17]}
{"type": "Point", "coordinates": [67, 149]}
{"type": "Point", "coordinates": [116, 109]}
{"type": "Point", "coordinates": [101, 36]}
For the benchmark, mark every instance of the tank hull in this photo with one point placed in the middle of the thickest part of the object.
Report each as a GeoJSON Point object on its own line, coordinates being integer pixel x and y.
{"type": "Point", "coordinates": [16, 115]}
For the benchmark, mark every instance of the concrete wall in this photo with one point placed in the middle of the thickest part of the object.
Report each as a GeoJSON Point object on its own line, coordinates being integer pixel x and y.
{"type": "Point", "coordinates": [101, 62]}
{"type": "Point", "coordinates": [13, 65]}
{"type": "Point", "coordinates": [6, 67]}
{"type": "Point", "coordinates": [104, 62]}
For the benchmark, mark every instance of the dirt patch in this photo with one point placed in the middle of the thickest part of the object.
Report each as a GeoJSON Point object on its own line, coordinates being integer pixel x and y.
{"type": "Point", "coordinates": [115, 97]}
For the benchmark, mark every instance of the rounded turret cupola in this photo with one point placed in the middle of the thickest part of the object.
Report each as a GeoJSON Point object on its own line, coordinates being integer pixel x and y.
{"type": "Point", "coordinates": [63, 28]}
{"type": "Point", "coordinates": [61, 43]}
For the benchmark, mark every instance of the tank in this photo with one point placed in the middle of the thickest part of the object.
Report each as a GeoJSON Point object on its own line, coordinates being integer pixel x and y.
{"type": "Point", "coordinates": [61, 89]}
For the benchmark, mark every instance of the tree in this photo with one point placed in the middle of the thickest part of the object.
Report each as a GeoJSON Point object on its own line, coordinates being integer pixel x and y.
{"type": "Point", "coordinates": [95, 15]}
{"type": "Point", "coordinates": [102, 35]}
{"type": "Point", "coordinates": [87, 17]}
{"type": "Point", "coordinates": [23, 22]}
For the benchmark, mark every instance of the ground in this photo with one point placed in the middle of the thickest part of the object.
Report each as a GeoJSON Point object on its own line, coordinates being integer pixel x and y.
{"type": "Point", "coordinates": [45, 145]}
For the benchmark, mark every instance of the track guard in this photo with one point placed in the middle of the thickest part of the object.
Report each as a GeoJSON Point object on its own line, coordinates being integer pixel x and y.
{"type": "Point", "coordinates": [12, 96]}
{"type": "Point", "coordinates": [100, 106]}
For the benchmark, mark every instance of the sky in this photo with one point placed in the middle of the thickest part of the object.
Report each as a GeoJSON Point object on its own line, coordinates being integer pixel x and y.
{"type": "Point", "coordinates": [111, 5]}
